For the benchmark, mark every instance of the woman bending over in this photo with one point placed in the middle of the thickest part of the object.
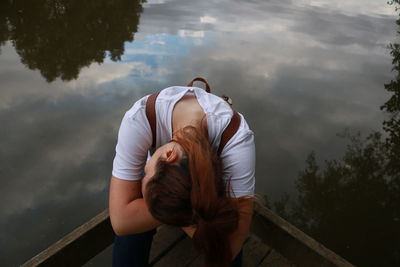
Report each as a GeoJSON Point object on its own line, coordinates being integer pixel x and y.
{"type": "Point", "coordinates": [188, 181]}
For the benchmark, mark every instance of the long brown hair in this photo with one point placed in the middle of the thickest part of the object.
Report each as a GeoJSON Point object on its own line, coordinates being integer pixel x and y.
{"type": "Point", "coordinates": [192, 191]}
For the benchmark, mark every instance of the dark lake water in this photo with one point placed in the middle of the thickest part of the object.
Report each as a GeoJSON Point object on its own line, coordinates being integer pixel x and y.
{"type": "Point", "coordinates": [303, 73]}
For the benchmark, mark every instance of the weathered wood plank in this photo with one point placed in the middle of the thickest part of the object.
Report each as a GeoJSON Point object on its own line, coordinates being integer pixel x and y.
{"type": "Point", "coordinates": [292, 243]}
{"type": "Point", "coordinates": [254, 251]}
{"type": "Point", "coordinates": [92, 237]}
{"type": "Point", "coordinates": [163, 241]}
{"type": "Point", "coordinates": [79, 246]}
{"type": "Point", "coordinates": [103, 259]}
{"type": "Point", "coordinates": [274, 259]}
{"type": "Point", "coordinates": [165, 238]}
{"type": "Point", "coordinates": [197, 262]}
{"type": "Point", "coordinates": [182, 254]}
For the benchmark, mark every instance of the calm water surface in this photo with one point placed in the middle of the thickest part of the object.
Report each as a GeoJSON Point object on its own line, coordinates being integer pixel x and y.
{"type": "Point", "coordinates": [300, 71]}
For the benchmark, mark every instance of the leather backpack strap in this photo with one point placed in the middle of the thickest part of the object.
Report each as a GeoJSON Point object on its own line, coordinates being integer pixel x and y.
{"type": "Point", "coordinates": [233, 125]}
{"type": "Point", "coordinates": [151, 115]}
{"type": "Point", "coordinates": [199, 79]}
{"type": "Point", "coordinates": [229, 131]}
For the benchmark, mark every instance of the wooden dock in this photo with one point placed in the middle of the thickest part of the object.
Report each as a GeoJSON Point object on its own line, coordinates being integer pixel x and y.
{"type": "Point", "coordinates": [272, 242]}
{"type": "Point", "coordinates": [171, 247]}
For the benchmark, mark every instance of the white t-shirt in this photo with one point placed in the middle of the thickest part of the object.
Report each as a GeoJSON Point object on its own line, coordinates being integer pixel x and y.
{"type": "Point", "coordinates": [135, 137]}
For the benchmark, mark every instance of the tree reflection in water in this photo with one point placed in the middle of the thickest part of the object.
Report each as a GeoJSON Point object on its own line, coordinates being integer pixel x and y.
{"type": "Point", "coordinates": [60, 37]}
{"type": "Point", "coordinates": [353, 205]}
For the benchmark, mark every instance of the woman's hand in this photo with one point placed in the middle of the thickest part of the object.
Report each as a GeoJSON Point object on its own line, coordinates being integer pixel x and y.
{"type": "Point", "coordinates": [189, 230]}
{"type": "Point", "coordinates": [238, 237]}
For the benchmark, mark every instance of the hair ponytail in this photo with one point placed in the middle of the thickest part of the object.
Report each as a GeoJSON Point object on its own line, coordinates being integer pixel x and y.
{"type": "Point", "coordinates": [194, 193]}
{"type": "Point", "coordinates": [212, 235]}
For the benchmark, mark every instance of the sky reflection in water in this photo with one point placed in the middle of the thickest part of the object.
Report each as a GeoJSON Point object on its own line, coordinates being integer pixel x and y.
{"type": "Point", "coordinates": [299, 71]}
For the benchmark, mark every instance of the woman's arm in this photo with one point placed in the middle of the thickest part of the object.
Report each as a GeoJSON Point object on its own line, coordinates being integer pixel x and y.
{"type": "Point", "coordinates": [239, 159]}
{"type": "Point", "coordinates": [129, 213]}
{"type": "Point", "coordinates": [238, 237]}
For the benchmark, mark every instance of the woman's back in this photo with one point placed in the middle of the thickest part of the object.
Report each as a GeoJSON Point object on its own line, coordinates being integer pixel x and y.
{"type": "Point", "coordinates": [187, 111]}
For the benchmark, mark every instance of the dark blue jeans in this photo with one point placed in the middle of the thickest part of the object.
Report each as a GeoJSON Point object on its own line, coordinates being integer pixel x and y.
{"type": "Point", "coordinates": [134, 250]}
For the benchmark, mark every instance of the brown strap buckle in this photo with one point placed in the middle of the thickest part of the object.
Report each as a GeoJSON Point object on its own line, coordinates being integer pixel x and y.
{"type": "Point", "coordinates": [227, 99]}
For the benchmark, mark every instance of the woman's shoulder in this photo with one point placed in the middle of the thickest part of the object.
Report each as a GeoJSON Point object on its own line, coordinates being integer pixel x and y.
{"type": "Point", "coordinates": [243, 135]}
{"type": "Point", "coordinates": [137, 107]}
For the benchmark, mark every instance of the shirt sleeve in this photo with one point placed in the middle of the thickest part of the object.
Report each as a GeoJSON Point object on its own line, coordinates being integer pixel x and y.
{"type": "Point", "coordinates": [239, 158]}
{"type": "Point", "coordinates": [134, 142]}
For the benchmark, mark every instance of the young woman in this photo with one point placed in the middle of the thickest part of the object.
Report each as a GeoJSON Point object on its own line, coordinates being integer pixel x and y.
{"type": "Point", "coordinates": [187, 183]}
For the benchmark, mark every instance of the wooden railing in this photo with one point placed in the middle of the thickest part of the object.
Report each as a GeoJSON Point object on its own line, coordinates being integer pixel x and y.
{"type": "Point", "coordinates": [292, 243]}
{"type": "Point", "coordinates": [79, 246]}
{"type": "Point", "coordinates": [94, 236]}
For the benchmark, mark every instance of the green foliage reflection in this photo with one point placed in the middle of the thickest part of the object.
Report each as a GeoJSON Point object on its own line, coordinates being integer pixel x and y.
{"type": "Point", "coordinates": [352, 205]}
{"type": "Point", "coordinates": [60, 37]}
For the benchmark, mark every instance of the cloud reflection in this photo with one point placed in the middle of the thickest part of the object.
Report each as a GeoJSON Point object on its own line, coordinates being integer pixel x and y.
{"type": "Point", "coordinates": [299, 73]}
{"type": "Point", "coordinates": [304, 68]}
